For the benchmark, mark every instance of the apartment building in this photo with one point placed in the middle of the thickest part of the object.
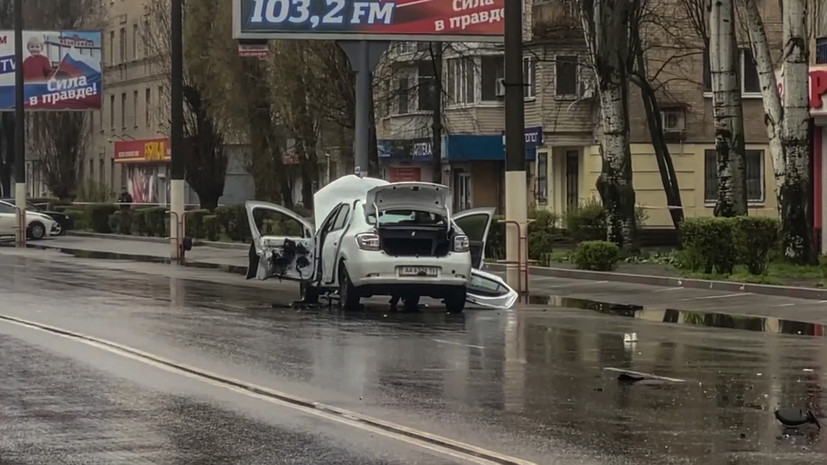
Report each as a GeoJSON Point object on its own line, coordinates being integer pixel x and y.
{"type": "Point", "coordinates": [562, 120]}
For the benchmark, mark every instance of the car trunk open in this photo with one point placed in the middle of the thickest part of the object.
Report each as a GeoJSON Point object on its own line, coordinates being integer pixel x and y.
{"type": "Point", "coordinates": [414, 241]}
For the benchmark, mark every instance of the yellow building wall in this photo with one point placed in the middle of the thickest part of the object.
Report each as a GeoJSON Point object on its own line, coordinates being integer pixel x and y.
{"type": "Point", "coordinates": [689, 168]}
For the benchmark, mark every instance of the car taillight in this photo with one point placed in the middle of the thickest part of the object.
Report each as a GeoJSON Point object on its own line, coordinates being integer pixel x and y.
{"type": "Point", "coordinates": [368, 241]}
{"type": "Point", "coordinates": [462, 244]}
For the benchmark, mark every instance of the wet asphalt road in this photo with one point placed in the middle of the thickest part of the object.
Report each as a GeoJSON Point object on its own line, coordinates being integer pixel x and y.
{"type": "Point", "coordinates": [535, 383]}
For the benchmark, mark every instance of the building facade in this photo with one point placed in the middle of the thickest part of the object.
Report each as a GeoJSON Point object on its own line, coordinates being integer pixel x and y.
{"type": "Point", "coordinates": [562, 117]}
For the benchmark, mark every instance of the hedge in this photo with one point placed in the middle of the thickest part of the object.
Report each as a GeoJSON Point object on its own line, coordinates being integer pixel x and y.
{"type": "Point", "coordinates": [597, 255]}
{"type": "Point", "coordinates": [99, 217]}
{"type": "Point", "coordinates": [718, 244]}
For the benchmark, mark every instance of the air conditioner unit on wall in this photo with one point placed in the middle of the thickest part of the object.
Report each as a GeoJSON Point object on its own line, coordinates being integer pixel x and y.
{"type": "Point", "coordinates": [673, 121]}
{"type": "Point", "coordinates": [500, 90]}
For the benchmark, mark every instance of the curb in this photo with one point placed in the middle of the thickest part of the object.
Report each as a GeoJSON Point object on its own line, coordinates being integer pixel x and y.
{"type": "Point", "coordinates": [668, 281]}
{"type": "Point", "coordinates": [157, 240]}
{"type": "Point", "coordinates": [83, 253]}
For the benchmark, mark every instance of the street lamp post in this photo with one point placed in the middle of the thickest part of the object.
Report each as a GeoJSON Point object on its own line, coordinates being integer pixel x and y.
{"type": "Point", "coordinates": [177, 125]}
{"type": "Point", "coordinates": [516, 205]}
{"type": "Point", "coordinates": [19, 126]}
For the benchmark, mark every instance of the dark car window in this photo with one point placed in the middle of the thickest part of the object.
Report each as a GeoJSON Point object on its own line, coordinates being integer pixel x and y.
{"type": "Point", "coordinates": [5, 208]}
{"type": "Point", "coordinates": [341, 219]}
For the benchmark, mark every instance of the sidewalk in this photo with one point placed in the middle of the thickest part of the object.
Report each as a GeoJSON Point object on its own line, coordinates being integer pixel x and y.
{"type": "Point", "coordinates": [561, 287]}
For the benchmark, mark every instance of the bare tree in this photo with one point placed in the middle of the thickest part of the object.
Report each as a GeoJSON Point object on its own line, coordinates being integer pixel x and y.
{"type": "Point", "coordinates": [796, 191]}
{"type": "Point", "coordinates": [606, 25]}
{"type": "Point", "coordinates": [205, 158]}
{"type": "Point", "coordinates": [6, 118]}
{"type": "Point", "coordinates": [728, 111]}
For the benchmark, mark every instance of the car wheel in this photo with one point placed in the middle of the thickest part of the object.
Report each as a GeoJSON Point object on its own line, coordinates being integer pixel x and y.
{"type": "Point", "coordinates": [58, 230]}
{"type": "Point", "coordinates": [455, 302]}
{"type": "Point", "coordinates": [310, 294]}
{"type": "Point", "coordinates": [37, 231]}
{"type": "Point", "coordinates": [348, 297]}
{"type": "Point", "coordinates": [411, 303]}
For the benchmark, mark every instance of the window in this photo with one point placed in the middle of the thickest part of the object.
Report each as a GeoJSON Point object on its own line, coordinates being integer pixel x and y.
{"type": "Point", "coordinates": [112, 112]}
{"type": "Point", "coordinates": [424, 46]}
{"type": "Point", "coordinates": [135, 107]}
{"type": "Point", "coordinates": [135, 39]}
{"type": "Point", "coordinates": [123, 45]}
{"type": "Point", "coordinates": [461, 80]}
{"type": "Point", "coordinates": [402, 96]}
{"type": "Point", "coordinates": [111, 47]}
{"type": "Point", "coordinates": [530, 77]}
{"type": "Point", "coordinates": [92, 170]}
{"type": "Point", "coordinates": [147, 106]}
{"type": "Point", "coordinates": [542, 178]}
{"type": "Point", "coordinates": [6, 208]}
{"type": "Point", "coordinates": [426, 90]}
{"type": "Point", "coordinates": [491, 68]}
{"type": "Point", "coordinates": [102, 171]}
{"type": "Point", "coordinates": [821, 50]}
{"type": "Point", "coordinates": [750, 84]}
{"type": "Point", "coordinates": [565, 73]}
{"type": "Point", "coordinates": [754, 173]}
{"type": "Point", "coordinates": [341, 218]}
{"type": "Point", "coordinates": [123, 110]}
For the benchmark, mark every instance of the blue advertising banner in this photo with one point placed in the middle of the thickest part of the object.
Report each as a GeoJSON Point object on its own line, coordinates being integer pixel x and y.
{"type": "Point", "coordinates": [61, 70]}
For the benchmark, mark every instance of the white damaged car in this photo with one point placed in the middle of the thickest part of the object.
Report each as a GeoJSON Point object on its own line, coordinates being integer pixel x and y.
{"type": "Point", "coordinates": [373, 238]}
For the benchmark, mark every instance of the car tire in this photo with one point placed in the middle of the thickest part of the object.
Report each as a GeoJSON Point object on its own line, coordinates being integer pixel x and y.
{"type": "Point", "coordinates": [58, 230]}
{"type": "Point", "coordinates": [455, 302]}
{"type": "Point", "coordinates": [348, 296]}
{"type": "Point", "coordinates": [36, 231]}
{"type": "Point", "coordinates": [310, 294]}
{"type": "Point", "coordinates": [411, 303]}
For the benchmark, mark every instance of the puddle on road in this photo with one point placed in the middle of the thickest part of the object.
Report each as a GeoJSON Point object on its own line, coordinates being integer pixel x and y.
{"type": "Point", "coordinates": [666, 315]}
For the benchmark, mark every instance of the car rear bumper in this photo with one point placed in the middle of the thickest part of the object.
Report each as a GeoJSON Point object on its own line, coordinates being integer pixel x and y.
{"type": "Point", "coordinates": [379, 274]}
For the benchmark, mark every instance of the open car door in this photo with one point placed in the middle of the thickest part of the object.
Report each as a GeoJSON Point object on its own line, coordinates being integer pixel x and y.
{"type": "Point", "coordinates": [283, 243]}
{"type": "Point", "coordinates": [476, 223]}
{"type": "Point", "coordinates": [484, 289]}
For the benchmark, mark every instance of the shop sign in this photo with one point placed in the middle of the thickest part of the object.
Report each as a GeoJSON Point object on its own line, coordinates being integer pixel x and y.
{"type": "Point", "coordinates": [405, 174]}
{"type": "Point", "coordinates": [143, 151]}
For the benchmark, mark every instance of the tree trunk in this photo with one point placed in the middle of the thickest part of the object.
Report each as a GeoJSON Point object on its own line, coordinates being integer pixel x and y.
{"type": "Point", "coordinates": [373, 144]}
{"type": "Point", "coordinates": [436, 119]}
{"type": "Point", "coordinates": [668, 177]}
{"type": "Point", "coordinates": [773, 111]}
{"type": "Point", "coordinates": [728, 113]}
{"type": "Point", "coordinates": [796, 191]}
{"type": "Point", "coordinates": [606, 28]}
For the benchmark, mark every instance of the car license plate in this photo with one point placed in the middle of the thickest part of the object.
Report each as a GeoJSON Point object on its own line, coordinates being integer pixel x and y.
{"type": "Point", "coordinates": [424, 271]}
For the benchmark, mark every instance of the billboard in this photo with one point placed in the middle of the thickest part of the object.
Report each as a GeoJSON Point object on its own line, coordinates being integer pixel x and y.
{"type": "Point", "coordinates": [142, 151]}
{"type": "Point", "coordinates": [61, 70]}
{"type": "Point", "coordinates": [403, 20]}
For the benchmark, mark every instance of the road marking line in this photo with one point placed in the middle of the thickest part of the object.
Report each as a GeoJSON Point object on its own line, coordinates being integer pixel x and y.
{"type": "Point", "coordinates": [587, 283]}
{"type": "Point", "coordinates": [646, 375]}
{"type": "Point", "coordinates": [669, 289]}
{"type": "Point", "coordinates": [785, 305]}
{"type": "Point", "coordinates": [388, 429]}
{"type": "Point", "coordinates": [457, 344]}
{"type": "Point", "coordinates": [724, 296]}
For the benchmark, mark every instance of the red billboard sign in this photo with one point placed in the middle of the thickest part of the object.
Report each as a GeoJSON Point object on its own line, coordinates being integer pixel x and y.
{"type": "Point", "coordinates": [142, 151]}
{"type": "Point", "coordinates": [405, 20]}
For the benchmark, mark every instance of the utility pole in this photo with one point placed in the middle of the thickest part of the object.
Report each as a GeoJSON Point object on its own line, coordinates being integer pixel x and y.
{"type": "Point", "coordinates": [177, 126]}
{"type": "Point", "coordinates": [19, 126]}
{"type": "Point", "coordinates": [516, 205]}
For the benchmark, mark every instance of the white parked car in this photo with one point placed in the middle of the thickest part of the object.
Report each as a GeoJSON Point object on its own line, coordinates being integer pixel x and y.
{"type": "Point", "coordinates": [38, 225]}
{"type": "Point", "coordinates": [372, 237]}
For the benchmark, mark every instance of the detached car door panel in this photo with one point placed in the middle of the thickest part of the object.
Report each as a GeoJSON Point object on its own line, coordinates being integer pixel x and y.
{"type": "Point", "coordinates": [490, 291]}
{"type": "Point", "coordinates": [283, 245]}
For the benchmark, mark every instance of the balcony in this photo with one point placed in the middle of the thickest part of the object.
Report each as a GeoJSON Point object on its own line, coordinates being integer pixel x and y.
{"type": "Point", "coordinates": [555, 19]}
{"type": "Point", "coordinates": [821, 50]}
